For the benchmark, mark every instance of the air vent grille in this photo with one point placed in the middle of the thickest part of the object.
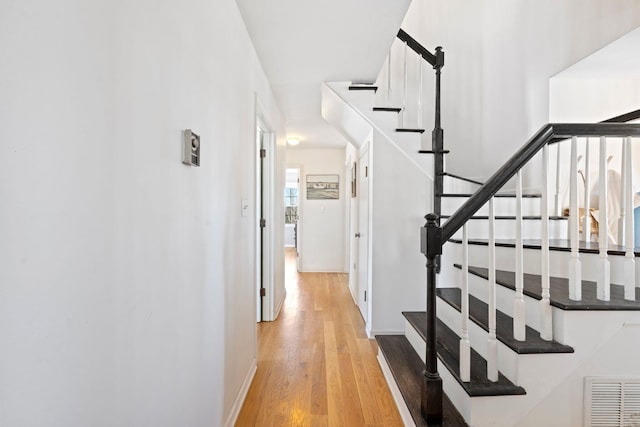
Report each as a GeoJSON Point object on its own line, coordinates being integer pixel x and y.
{"type": "Point", "coordinates": [612, 402]}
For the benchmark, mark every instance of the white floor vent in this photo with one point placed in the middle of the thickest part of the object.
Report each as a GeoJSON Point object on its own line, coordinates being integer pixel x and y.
{"type": "Point", "coordinates": [611, 402]}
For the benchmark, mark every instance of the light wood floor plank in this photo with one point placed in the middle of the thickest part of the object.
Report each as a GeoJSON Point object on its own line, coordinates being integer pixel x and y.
{"type": "Point", "coordinates": [316, 367]}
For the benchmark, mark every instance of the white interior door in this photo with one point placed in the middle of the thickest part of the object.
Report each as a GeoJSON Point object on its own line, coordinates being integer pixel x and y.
{"type": "Point", "coordinates": [362, 235]}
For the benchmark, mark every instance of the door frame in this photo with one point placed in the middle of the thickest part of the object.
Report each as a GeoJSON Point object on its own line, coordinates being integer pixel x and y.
{"type": "Point", "coordinates": [264, 242]}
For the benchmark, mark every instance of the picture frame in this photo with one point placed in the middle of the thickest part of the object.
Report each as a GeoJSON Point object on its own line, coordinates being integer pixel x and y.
{"type": "Point", "coordinates": [323, 187]}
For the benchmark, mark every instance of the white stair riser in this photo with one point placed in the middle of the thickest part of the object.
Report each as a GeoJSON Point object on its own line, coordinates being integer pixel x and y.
{"type": "Point", "coordinates": [558, 262]}
{"type": "Point", "coordinates": [505, 229]}
{"type": "Point", "coordinates": [502, 205]}
{"type": "Point", "coordinates": [479, 288]}
{"type": "Point", "coordinates": [507, 358]}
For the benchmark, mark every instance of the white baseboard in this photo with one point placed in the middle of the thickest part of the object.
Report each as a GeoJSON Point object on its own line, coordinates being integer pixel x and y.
{"type": "Point", "coordinates": [407, 419]}
{"type": "Point", "coordinates": [242, 395]}
{"type": "Point", "coordinates": [279, 307]}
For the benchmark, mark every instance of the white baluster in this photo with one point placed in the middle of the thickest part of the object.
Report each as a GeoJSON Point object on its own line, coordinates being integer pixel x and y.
{"type": "Point", "coordinates": [492, 345]}
{"type": "Point", "coordinates": [556, 194]}
{"type": "Point", "coordinates": [420, 92]}
{"type": "Point", "coordinates": [519, 318]}
{"type": "Point", "coordinates": [389, 77]}
{"type": "Point", "coordinates": [623, 197]}
{"type": "Point", "coordinates": [575, 266]}
{"type": "Point", "coordinates": [404, 92]}
{"type": "Point", "coordinates": [465, 345]}
{"type": "Point", "coordinates": [629, 257]}
{"type": "Point", "coordinates": [603, 287]}
{"type": "Point", "coordinates": [587, 195]}
{"type": "Point", "coordinates": [546, 330]}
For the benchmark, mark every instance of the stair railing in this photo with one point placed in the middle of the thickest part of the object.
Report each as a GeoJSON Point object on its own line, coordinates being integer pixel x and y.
{"type": "Point", "coordinates": [433, 237]}
{"type": "Point", "coordinates": [397, 91]}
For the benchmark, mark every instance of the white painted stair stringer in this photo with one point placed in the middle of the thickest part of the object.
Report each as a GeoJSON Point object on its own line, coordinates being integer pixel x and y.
{"type": "Point", "coordinates": [407, 143]}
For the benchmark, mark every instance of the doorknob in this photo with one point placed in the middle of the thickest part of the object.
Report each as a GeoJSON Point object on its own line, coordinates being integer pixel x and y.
{"type": "Point", "coordinates": [357, 234]}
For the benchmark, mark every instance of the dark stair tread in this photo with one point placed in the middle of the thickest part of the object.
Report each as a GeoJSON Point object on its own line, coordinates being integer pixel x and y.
{"type": "Point", "coordinates": [407, 368]}
{"type": "Point", "coordinates": [411, 130]}
{"type": "Point", "coordinates": [449, 354]}
{"type": "Point", "coordinates": [363, 87]}
{"type": "Point", "coordinates": [478, 313]}
{"type": "Point", "coordinates": [388, 109]}
{"type": "Point", "coordinates": [560, 291]}
{"type": "Point", "coordinates": [509, 195]}
{"type": "Point", "coordinates": [554, 245]}
{"type": "Point", "coordinates": [513, 217]}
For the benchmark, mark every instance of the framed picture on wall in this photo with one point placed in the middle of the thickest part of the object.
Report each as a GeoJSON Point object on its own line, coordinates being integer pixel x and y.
{"type": "Point", "coordinates": [323, 187]}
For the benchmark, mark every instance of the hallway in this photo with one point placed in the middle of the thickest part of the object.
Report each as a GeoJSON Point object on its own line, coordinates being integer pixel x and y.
{"type": "Point", "coordinates": [316, 366]}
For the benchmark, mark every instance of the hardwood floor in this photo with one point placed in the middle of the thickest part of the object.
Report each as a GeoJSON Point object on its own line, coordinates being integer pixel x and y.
{"type": "Point", "coordinates": [316, 367]}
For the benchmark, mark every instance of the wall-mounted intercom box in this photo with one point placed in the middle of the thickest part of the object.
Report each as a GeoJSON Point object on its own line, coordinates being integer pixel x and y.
{"type": "Point", "coordinates": [191, 150]}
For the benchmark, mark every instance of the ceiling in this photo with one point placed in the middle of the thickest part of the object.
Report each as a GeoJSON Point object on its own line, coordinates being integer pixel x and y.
{"type": "Point", "coordinates": [303, 43]}
{"type": "Point", "coordinates": [617, 60]}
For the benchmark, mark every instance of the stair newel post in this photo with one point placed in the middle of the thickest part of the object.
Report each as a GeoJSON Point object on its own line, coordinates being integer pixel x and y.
{"type": "Point", "coordinates": [575, 266]}
{"type": "Point", "coordinates": [431, 394]}
{"type": "Point", "coordinates": [546, 332]}
{"type": "Point", "coordinates": [437, 139]}
{"type": "Point", "coordinates": [492, 344]}
{"type": "Point", "coordinates": [629, 258]}
{"type": "Point", "coordinates": [586, 227]}
{"type": "Point", "coordinates": [519, 318]}
{"type": "Point", "coordinates": [465, 344]}
{"type": "Point", "coordinates": [604, 284]}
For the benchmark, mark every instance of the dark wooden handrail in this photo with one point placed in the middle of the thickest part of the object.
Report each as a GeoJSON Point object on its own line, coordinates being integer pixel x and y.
{"type": "Point", "coordinates": [547, 134]}
{"type": "Point", "coordinates": [418, 48]}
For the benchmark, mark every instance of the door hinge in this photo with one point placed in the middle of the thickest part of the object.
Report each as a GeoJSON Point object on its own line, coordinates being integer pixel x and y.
{"type": "Point", "coordinates": [365, 296]}
{"type": "Point", "coordinates": [263, 153]}
{"type": "Point", "coordinates": [366, 171]}
{"type": "Point", "coordinates": [263, 223]}
{"type": "Point", "coordinates": [263, 292]}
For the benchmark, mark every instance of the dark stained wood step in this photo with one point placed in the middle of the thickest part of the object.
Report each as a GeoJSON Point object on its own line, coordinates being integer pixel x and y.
{"type": "Point", "coordinates": [560, 291]}
{"type": "Point", "coordinates": [449, 354]}
{"type": "Point", "coordinates": [508, 195]}
{"type": "Point", "coordinates": [407, 367]}
{"type": "Point", "coordinates": [410, 130]}
{"type": "Point", "coordinates": [513, 217]}
{"type": "Point", "coordinates": [479, 314]}
{"type": "Point", "coordinates": [388, 109]}
{"type": "Point", "coordinates": [364, 87]}
{"type": "Point", "coordinates": [562, 245]}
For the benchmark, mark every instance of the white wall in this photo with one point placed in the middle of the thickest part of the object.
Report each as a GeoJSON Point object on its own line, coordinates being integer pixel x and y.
{"type": "Point", "coordinates": [564, 406]}
{"type": "Point", "coordinates": [125, 275]}
{"type": "Point", "coordinates": [321, 228]}
{"type": "Point", "coordinates": [402, 195]}
{"type": "Point", "coordinates": [499, 57]}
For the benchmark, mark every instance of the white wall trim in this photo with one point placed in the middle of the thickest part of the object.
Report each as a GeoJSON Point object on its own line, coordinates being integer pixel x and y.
{"type": "Point", "coordinates": [407, 419]}
{"type": "Point", "coordinates": [276, 313]}
{"type": "Point", "coordinates": [242, 395]}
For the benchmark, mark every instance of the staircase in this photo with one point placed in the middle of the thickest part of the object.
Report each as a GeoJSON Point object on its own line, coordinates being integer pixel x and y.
{"type": "Point", "coordinates": [529, 308]}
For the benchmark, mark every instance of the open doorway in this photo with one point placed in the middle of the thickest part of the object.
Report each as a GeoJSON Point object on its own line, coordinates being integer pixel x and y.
{"type": "Point", "coordinates": [292, 211]}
